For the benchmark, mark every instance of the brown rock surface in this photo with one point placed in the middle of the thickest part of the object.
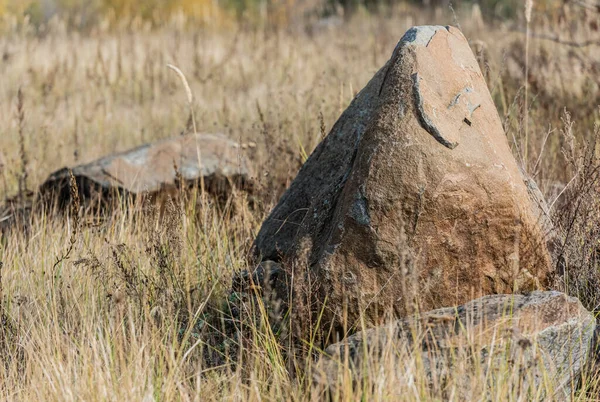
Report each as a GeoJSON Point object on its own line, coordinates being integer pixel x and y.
{"type": "Point", "coordinates": [525, 343]}
{"type": "Point", "coordinates": [417, 168]}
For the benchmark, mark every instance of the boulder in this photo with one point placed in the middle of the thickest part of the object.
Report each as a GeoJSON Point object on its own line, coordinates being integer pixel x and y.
{"type": "Point", "coordinates": [526, 345]}
{"type": "Point", "coordinates": [156, 167]}
{"type": "Point", "coordinates": [414, 197]}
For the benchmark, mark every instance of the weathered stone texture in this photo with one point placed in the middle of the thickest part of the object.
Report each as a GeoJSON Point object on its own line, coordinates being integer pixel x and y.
{"type": "Point", "coordinates": [534, 342]}
{"type": "Point", "coordinates": [155, 167]}
{"type": "Point", "coordinates": [417, 168]}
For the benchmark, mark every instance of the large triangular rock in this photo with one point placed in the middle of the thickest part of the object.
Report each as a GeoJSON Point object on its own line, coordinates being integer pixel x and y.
{"type": "Point", "coordinates": [413, 195]}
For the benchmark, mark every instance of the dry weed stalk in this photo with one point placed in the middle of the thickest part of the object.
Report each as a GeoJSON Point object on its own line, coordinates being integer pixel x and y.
{"type": "Point", "coordinates": [23, 153]}
{"type": "Point", "coordinates": [576, 218]}
{"type": "Point", "coordinates": [1, 289]}
{"type": "Point", "coordinates": [190, 100]}
{"type": "Point", "coordinates": [75, 223]}
{"type": "Point", "coordinates": [76, 140]}
{"type": "Point", "coordinates": [528, 11]}
{"type": "Point", "coordinates": [188, 92]}
{"type": "Point", "coordinates": [3, 174]}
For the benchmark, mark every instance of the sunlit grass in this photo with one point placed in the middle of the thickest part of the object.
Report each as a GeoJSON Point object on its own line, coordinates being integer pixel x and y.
{"type": "Point", "coordinates": [140, 309]}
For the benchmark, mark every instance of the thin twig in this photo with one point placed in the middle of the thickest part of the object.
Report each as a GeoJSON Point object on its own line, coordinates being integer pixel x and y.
{"type": "Point", "coordinates": [539, 159]}
{"type": "Point", "coordinates": [557, 39]}
{"type": "Point", "coordinates": [562, 191]}
{"type": "Point", "coordinates": [590, 6]}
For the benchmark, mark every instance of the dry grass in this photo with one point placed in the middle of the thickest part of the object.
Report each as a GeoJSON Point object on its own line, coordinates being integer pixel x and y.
{"type": "Point", "coordinates": [136, 305]}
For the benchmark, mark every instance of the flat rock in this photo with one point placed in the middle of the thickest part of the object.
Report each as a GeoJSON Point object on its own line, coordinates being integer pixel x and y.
{"type": "Point", "coordinates": [155, 167]}
{"type": "Point", "coordinates": [528, 344]}
{"type": "Point", "coordinates": [414, 197]}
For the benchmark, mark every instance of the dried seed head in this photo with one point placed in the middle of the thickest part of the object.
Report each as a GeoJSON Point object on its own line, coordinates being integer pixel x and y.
{"type": "Point", "coordinates": [188, 90]}
{"type": "Point", "coordinates": [528, 9]}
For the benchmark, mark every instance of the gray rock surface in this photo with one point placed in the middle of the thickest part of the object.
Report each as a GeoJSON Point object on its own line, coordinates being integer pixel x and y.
{"type": "Point", "coordinates": [531, 340]}
{"type": "Point", "coordinates": [153, 167]}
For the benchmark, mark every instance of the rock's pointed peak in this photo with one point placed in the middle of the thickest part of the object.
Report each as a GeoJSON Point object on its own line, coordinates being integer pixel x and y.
{"type": "Point", "coordinates": [421, 35]}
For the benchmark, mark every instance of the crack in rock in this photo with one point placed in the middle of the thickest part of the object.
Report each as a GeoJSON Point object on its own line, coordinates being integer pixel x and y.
{"type": "Point", "coordinates": [426, 121]}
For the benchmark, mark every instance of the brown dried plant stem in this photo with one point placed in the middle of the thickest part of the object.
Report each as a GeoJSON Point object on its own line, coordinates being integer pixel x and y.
{"type": "Point", "coordinates": [188, 91]}
{"type": "Point", "coordinates": [528, 11]}
{"type": "Point", "coordinates": [190, 100]}
{"type": "Point", "coordinates": [22, 151]}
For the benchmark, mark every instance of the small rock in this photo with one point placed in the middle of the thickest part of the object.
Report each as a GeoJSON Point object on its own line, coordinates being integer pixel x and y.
{"type": "Point", "coordinates": [530, 340]}
{"type": "Point", "coordinates": [156, 167]}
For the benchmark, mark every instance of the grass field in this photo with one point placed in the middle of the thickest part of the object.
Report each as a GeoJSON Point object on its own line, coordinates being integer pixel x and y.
{"type": "Point", "coordinates": [135, 305]}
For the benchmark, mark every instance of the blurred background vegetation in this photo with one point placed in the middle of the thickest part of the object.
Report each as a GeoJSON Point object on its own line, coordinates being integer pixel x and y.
{"type": "Point", "coordinates": [83, 14]}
